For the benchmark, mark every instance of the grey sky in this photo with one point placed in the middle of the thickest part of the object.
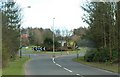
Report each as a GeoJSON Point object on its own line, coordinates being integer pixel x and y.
{"type": "Point", "coordinates": [67, 13]}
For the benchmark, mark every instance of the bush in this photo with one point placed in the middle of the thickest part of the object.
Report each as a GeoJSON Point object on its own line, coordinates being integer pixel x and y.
{"type": "Point", "coordinates": [115, 56]}
{"type": "Point", "coordinates": [90, 55]}
{"type": "Point", "coordinates": [102, 55]}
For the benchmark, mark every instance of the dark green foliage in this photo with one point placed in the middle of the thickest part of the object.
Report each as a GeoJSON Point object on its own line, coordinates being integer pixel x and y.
{"type": "Point", "coordinates": [100, 55]}
{"type": "Point", "coordinates": [103, 29]}
{"type": "Point", "coordinates": [48, 43]}
{"type": "Point", "coordinates": [57, 44]}
{"type": "Point", "coordinates": [115, 56]}
{"type": "Point", "coordinates": [118, 26]}
{"type": "Point", "coordinates": [90, 55]}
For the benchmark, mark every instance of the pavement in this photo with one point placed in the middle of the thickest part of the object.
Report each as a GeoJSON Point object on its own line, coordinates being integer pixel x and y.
{"type": "Point", "coordinates": [45, 64]}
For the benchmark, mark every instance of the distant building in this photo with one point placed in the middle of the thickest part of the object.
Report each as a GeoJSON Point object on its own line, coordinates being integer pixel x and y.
{"type": "Point", "coordinates": [25, 39]}
{"type": "Point", "coordinates": [63, 43]}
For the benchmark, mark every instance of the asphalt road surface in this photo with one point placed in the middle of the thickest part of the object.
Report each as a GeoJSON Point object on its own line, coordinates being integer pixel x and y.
{"type": "Point", "coordinates": [45, 64]}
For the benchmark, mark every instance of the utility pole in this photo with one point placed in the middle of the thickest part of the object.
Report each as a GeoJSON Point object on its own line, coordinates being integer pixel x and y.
{"type": "Point", "coordinates": [53, 39]}
{"type": "Point", "coordinates": [20, 51]}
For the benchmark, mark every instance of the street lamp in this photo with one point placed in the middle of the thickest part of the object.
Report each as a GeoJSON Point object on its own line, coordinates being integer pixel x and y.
{"type": "Point", "coordinates": [20, 52]}
{"type": "Point", "coordinates": [61, 43]}
{"type": "Point", "coordinates": [53, 39]}
{"type": "Point", "coordinates": [20, 45]}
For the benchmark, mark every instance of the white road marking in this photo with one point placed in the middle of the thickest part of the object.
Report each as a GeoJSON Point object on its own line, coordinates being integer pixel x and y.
{"type": "Point", "coordinates": [77, 74]}
{"type": "Point", "coordinates": [53, 60]}
{"type": "Point", "coordinates": [67, 69]}
{"type": "Point", "coordinates": [58, 65]}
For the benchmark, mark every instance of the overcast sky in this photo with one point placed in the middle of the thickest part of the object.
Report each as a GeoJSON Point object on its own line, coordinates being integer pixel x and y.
{"type": "Point", "coordinates": [67, 13]}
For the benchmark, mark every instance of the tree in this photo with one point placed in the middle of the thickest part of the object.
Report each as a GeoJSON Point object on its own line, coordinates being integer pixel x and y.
{"type": "Point", "coordinates": [79, 31]}
{"type": "Point", "coordinates": [48, 42]}
{"type": "Point", "coordinates": [118, 27]}
{"type": "Point", "coordinates": [102, 25]}
{"type": "Point", "coordinates": [10, 30]}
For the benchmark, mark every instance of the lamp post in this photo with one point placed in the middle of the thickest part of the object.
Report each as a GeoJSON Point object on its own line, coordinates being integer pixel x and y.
{"type": "Point", "coordinates": [61, 43]}
{"type": "Point", "coordinates": [20, 45]}
{"type": "Point", "coordinates": [53, 39]}
{"type": "Point", "coordinates": [20, 51]}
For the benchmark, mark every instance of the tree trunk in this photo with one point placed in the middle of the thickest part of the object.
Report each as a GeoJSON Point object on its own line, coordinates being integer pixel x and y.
{"type": "Point", "coordinates": [118, 25]}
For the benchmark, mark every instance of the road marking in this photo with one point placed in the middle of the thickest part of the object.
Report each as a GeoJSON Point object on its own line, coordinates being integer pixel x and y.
{"type": "Point", "coordinates": [58, 65]}
{"type": "Point", "coordinates": [67, 69]}
{"type": "Point", "coordinates": [77, 74]}
{"type": "Point", "coordinates": [53, 60]}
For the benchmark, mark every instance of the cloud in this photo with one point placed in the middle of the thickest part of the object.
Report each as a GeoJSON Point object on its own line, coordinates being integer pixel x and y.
{"type": "Point", "coordinates": [67, 13]}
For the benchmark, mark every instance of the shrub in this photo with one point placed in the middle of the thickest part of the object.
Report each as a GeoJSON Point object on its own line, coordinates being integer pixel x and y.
{"type": "Point", "coordinates": [90, 55]}
{"type": "Point", "coordinates": [115, 56]}
{"type": "Point", "coordinates": [102, 55]}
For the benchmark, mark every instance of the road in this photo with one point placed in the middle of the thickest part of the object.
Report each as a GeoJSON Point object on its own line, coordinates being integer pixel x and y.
{"type": "Point", "coordinates": [45, 64]}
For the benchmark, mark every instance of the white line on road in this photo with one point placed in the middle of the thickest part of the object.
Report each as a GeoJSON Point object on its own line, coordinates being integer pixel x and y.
{"type": "Point", "coordinates": [53, 60]}
{"type": "Point", "coordinates": [58, 65]}
{"type": "Point", "coordinates": [67, 69]}
{"type": "Point", "coordinates": [79, 75]}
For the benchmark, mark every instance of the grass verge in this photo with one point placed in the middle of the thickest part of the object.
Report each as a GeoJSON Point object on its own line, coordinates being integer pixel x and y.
{"type": "Point", "coordinates": [0, 72]}
{"type": "Point", "coordinates": [15, 67]}
{"type": "Point", "coordinates": [106, 66]}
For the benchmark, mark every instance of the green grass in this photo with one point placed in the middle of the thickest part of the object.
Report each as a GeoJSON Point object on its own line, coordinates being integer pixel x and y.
{"type": "Point", "coordinates": [106, 66]}
{"type": "Point", "coordinates": [0, 72]}
{"type": "Point", "coordinates": [15, 67]}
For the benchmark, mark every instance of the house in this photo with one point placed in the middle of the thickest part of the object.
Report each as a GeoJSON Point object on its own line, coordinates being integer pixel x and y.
{"type": "Point", "coordinates": [24, 39]}
{"type": "Point", "coordinates": [63, 43]}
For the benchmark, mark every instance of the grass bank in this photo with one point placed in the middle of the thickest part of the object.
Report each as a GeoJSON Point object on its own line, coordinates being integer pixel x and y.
{"type": "Point", "coordinates": [106, 66]}
{"type": "Point", "coordinates": [0, 72]}
{"type": "Point", "coordinates": [15, 67]}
